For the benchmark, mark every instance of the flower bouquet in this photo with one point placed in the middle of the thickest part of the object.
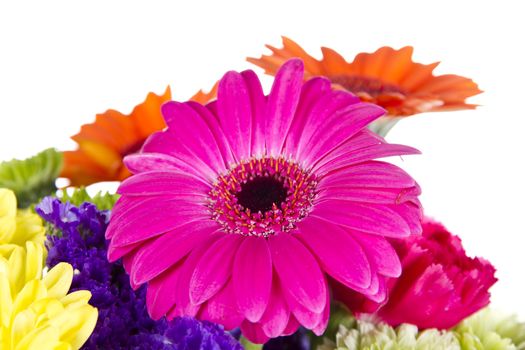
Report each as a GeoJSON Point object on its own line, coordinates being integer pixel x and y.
{"type": "Point", "coordinates": [246, 219]}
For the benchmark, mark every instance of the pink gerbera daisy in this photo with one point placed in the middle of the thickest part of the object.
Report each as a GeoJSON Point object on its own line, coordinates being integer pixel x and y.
{"type": "Point", "coordinates": [239, 211]}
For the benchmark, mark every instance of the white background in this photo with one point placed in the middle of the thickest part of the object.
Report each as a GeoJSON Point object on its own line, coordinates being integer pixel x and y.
{"type": "Point", "coordinates": [61, 62]}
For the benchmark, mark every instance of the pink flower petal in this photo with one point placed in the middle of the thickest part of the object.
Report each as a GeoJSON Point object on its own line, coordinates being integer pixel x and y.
{"type": "Point", "coordinates": [252, 277]}
{"type": "Point", "coordinates": [258, 104]}
{"type": "Point", "coordinates": [292, 326]}
{"type": "Point", "coordinates": [214, 268]}
{"type": "Point", "coordinates": [305, 317]}
{"type": "Point", "coordinates": [168, 143]}
{"type": "Point", "coordinates": [253, 332]}
{"type": "Point", "coordinates": [221, 309]}
{"type": "Point", "coordinates": [360, 141]}
{"type": "Point", "coordinates": [192, 135]}
{"type": "Point", "coordinates": [340, 127]}
{"type": "Point", "coordinates": [160, 297]}
{"type": "Point", "coordinates": [382, 292]}
{"type": "Point", "coordinates": [235, 113]}
{"type": "Point", "coordinates": [369, 195]}
{"type": "Point", "coordinates": [309, 99]}
{"type": "Point", "coordinates": [324, 110]}
{"type": "Point", "coordinates": [298, 271]}
{"type": "Point", "coordinates": [277, 314]}
{"type": "Point", "coordinates": [141, 222]}
{"type": "Point", "coordinates": [338, 253]}
{"type": "Point", "coordinates": [115, 253]}
{"type": "Point", "coordinates": [374, 219]}
{"type": "Point", "coordinates": [320, 328]}
{"type": "Point", "coordinates": [142, 162]}
{"type": "Point", "coordinates": [183, 306]}
{"type": "Point", "coordinates": [161, 182]}
{"type": "Point", "coordinates": [208, 114]}
{"type": "Point", "coordinates": [412, 213]}
{"type": "Point", "coordinates": [369, 174]}
{"type": "Point", "coordinates": [362, 155]}
{"type": "Point", "coordinates": [381, 253]}
{"type": "Point", "coordinates": [355, 300]}
{"type": "Point", "coordinates": [282, 103]}
{"type": "Point", "coordinates": [168, 249]}
{"type": "Point", "coordinates": [127, 261]}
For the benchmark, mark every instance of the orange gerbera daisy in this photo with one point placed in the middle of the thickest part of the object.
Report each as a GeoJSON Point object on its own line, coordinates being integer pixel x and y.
{"type": "Point", "coordinates": [104, 143]}
{"type": "Point", "coordinates": [387, 77]}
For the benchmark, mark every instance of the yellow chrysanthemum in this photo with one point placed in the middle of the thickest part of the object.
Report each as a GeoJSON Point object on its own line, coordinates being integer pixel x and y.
{"type": "Point", "coordinates": [36, 313]}
{"type": "Point", "coordinates": [22, 236]}
{"type": "Point", "coordinates": [18, 226]}
{"type": "Point", "coordinates": [42, 316]}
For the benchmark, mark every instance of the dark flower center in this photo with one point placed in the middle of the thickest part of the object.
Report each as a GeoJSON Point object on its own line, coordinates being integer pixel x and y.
{"type": "Point", "coordinates": [262, 197]}
{"type": "Point", "coordinates": [261, 194]}
{"type": "Point", "coordinates": [373, 87]}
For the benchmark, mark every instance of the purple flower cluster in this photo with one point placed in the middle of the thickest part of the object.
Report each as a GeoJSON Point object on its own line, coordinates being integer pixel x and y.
{"type": "Point", "coordinates": [77, 237]}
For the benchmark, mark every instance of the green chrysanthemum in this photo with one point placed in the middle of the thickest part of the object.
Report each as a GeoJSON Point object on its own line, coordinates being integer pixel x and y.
{"type": "Point", "coordinates": [32, 178]}
{"type": "Point", "coordinates": [491, 330]}
{"type": "Point", "coordinates": [366, 334]}
{"type": "Point", "coordinates": [486, 330]}
{"type": "Point", "coordinates": [103, 201]}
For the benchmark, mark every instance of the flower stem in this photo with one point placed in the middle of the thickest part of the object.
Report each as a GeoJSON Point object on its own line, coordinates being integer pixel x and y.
{"type": "Point", "coordinates": [248, 345]}
{"type": "Point", "coordinates": [383, 125]}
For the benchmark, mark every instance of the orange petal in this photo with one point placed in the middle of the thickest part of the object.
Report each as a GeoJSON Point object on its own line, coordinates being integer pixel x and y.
{"type": "Point", "coordinates": [102, 155]}
{"type": "Point", "coordinates": [334, 63]}
{"type": "Point", "coordinates": [104, 143]}
{"type": "Point", "coordinates": [447, 83]}
{"type": "Point", "coordinates": [374, 62]}
{"type": "Point", "coordinates": [396, 65]}
{"type": "Point", "coordinates": [147, 115]}
{"type": "Point", "coordinates": [112, 129]}
{"type": "Point", "coordinates": [271, 63]}
{"type": "Point", "coordinates": [205, 97]}
{"type": "Point", "coordinates": [390, 70]}
{"type": "Point", "coordinates": [80, 169]}
{"type": "Point", "coordinates": [417, 75]}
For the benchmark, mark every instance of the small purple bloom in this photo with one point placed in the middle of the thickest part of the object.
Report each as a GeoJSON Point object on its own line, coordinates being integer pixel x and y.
{"type": "Point", "coordinates": [123, 321]}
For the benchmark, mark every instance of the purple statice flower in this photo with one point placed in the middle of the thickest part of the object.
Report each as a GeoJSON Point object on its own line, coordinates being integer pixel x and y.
{"type": "Point", "coordinates": [78, 238]}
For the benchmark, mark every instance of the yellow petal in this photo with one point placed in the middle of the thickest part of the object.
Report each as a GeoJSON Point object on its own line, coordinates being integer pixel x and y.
{"type": "Point", "coordinates": [63, 346]}
{"type": "Point", "coordinates": [46, 309]}
{"type": "Point", "coordinates": [7, 249]}
{"type": "Point", "coordinates": [6, 301]}
{"type": "Point", "coordinates": [58, 280]}
{"type": "Point", "coordinates": [34, 261]}
{"type": "Point", "coordinates": [76, 299]}
{"type": "Point", "coordinates": [7, 203]}
{"type": "Point", "coordinates": [32, 292]}
{"type": "Point", "coordinates": [29, 227]}
{"type": "Point", "coordinates": [78, 325]}
{"type": "Point", "coordinates": [43, 338]}
{"type": "Point", "coordinates": [23, 324]}
{"type": "Point", "coordinates": [7, 215]}
{"type": "Point", "coordinates": [16, 262]}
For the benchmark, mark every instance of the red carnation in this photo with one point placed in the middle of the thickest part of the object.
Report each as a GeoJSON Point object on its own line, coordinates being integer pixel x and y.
{"type": "Point", "coordinates": [439, 286]}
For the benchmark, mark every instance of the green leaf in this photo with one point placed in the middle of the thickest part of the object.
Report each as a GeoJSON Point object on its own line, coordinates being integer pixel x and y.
{"type": "Point", "coordinates": [248, 345]}
{"type": "Point", "coordinates": [33, 178]}
{"type": "Point", "coordinates": [103, 201]}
